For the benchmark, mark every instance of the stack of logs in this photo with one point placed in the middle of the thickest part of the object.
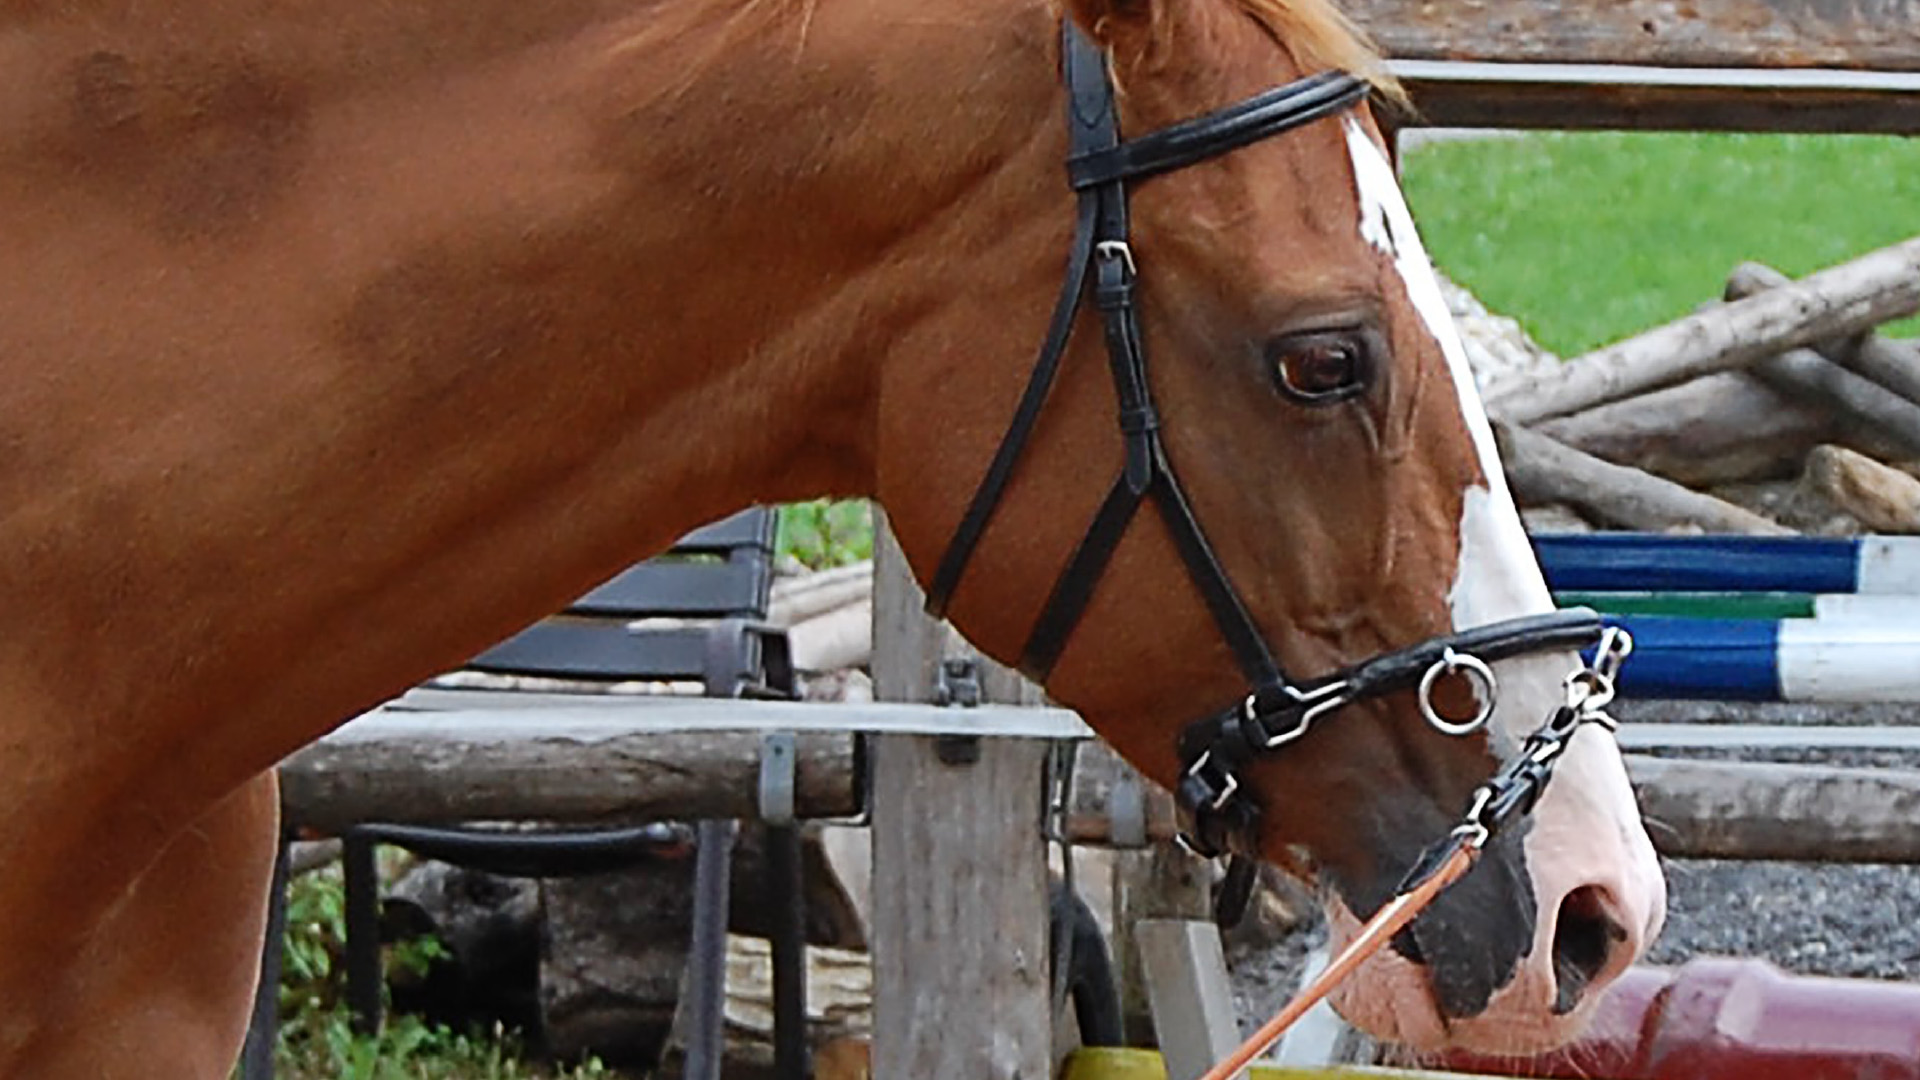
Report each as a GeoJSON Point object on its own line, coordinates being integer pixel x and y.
{"type": "Point", "coordinates": [1781, 409]}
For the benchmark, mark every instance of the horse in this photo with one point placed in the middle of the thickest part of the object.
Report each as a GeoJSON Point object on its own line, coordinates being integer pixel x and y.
{"type": "Point", "coordinates": [342, 340]}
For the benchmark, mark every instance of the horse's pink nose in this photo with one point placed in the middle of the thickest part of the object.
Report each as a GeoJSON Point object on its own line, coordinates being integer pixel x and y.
{"type": "Point", "coordinates": [1594, 940]}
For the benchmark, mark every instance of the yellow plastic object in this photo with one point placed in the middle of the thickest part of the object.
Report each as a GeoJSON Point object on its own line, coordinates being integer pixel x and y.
{"type": "Point", "coordinates": [1106, 1063]}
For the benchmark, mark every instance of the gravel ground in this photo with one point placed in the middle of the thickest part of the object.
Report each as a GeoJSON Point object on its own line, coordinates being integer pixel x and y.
{"type": "Point", "coordinates": [1810, 918]}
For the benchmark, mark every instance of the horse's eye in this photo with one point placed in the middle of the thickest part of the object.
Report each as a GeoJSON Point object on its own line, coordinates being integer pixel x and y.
{"type": "Point", "coordinates": [1321, 368]}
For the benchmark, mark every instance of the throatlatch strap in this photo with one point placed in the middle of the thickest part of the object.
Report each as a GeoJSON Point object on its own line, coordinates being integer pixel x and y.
{"type": "Point", "coordinates": [1236, 623]}
{"type": "Point", "coordinates": [1074, 587]}
{"type": "Point", "coordinates": [987, 497]}
{"type": "Point", "coordinates": [1089, 119]}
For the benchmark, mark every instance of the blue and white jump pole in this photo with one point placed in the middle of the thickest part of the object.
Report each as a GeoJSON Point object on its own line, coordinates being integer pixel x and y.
{"type": "Point", "coordinates": [1803, 660]}
{"type": "Point", "coordinates": [1864, 644]}
{"type": "Point", "coordinates": [1648, 562]}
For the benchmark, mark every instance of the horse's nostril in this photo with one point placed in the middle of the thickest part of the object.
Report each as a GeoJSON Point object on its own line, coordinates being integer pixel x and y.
{"type": "Point", "coordinates": [1584, 938]}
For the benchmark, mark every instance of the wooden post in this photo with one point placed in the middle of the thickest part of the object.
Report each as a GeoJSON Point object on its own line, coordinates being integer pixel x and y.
{"type": "Point", "coordinates": [959, 911]}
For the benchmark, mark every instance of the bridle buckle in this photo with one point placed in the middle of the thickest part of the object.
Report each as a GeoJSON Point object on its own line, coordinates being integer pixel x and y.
{"type": "Point", "coordinates": [1311, 705]}
{"type": "Point", "coordinates": [1228, 789]}
{"type": "Point", "coordinates": [1120, 250]}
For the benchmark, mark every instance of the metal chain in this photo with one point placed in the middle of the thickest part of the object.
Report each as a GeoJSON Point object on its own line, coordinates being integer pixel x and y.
{"type": "Point", "coordinates": [1519, 783]}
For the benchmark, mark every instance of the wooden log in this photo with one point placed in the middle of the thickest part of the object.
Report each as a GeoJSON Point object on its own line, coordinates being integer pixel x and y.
{"type": "Point", "coordinates": [798, 599]}
{"type": "Point", "coordinates": [1892, 365]}
{"type": "Point", "coordinates": [834, 640]}
{"type": "Point", "coordinates": [1842, 300]}
{"type": "Point", "coordinates": [1858, 403]}
{"type": "Point", "coordinates": [1716, 429]}
{"type": "Point", "coordinates": [439, 774]}
{"type": "Point", "coordinates": [1880, 498]}
{"type": "Point", "coordinates": [1883, 35]}
{"type": "Point", "coordinates": [1543, 470]}
{"type": "Point", "coordinates": [1721, 810]}
{"type": "Point", "coordinates": [1835, 373]}
{"type": "Point", "coordinates": [839, 997]}
{"type": "Point", "coordinates": [959, 908]}
{"type": "Point", "coordinates": [306, 856]}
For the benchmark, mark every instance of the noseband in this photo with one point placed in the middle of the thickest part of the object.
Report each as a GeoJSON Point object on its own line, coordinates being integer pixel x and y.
{"type": "Point", "coordinates": [1278, 710]}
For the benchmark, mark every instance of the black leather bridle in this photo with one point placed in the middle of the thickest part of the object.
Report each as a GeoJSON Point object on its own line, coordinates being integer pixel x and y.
{"type": "Point", "coordinates": [1279, 710]}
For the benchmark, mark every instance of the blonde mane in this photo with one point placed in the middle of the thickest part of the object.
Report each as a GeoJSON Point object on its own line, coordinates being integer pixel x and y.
{"type": "Point", "coordinates": [1321, 36]}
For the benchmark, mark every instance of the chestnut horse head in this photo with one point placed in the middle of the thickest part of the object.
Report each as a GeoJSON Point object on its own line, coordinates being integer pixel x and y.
{"type": "Point", "coordinates": [1325, 492]}
{"type": "Point", "coordinates": [343, 340]}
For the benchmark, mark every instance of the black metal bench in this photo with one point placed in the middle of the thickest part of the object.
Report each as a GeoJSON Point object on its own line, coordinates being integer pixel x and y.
{"type": "Point", "coordinates": [693, 615]}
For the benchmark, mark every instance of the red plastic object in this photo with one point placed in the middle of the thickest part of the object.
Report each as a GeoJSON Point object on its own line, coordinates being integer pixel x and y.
{"type": "Point", "coordinates": [1723, 1019]}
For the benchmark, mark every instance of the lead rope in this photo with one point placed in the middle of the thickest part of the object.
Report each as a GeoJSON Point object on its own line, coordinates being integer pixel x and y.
{"type": "Point", "coordinates": [1511, 792]}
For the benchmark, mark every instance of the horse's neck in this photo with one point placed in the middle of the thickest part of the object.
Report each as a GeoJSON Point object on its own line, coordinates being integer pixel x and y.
{"type": "Point", "coordinates": [338, 372]}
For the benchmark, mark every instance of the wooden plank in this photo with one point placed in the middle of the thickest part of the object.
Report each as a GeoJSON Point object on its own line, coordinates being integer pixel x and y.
{"type": "Point", "coordinates": [908, 646]}
{"type": "Point", "coordinates": [959, 912]}
{"type": "Point", "coordinates": [1160, 882]}
{"type": "Point", "coordinates": [1186, 973]}
{"type": "Point", "coordinates": [1600, 97]}
{"type": "Point", "coordinates": [1876, 34]}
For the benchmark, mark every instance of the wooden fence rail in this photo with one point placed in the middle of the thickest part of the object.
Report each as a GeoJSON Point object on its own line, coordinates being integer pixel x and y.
{"type": "Point", "coordinates": [1739, 65]}
{"type": "Point", "coordinates": [417, 770]}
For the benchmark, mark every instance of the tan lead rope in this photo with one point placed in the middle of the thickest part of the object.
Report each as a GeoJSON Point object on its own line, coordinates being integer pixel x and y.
{"type": "Point", "coordinates": [1379, 930]}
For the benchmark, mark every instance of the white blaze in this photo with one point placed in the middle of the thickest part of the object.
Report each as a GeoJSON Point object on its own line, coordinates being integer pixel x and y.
{"type": "Point", "coordinates": [1498, 577]}
{"type": "Point", "coordinates": [1586, 829]}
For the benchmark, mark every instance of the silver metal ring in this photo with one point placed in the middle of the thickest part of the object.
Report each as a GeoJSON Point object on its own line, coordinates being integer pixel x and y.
{"type": "Point", "coordinates": [1485, 687]}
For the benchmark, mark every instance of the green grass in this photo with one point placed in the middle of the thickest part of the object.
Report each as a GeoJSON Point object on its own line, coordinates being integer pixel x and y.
{"type": "Point", "coordinates": [826, 532]}
{"type": "Point", "coordinates": [316, 1038]}
{"type": "Point", "coordinates": [1588, 238]}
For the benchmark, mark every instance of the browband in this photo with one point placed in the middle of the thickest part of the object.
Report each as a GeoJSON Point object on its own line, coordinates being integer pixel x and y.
{"type": "Point", "coordinates": [1271, 112]}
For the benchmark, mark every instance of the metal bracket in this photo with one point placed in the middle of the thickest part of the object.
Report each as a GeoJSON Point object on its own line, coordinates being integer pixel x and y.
{"type": "Point", "coordinates": [957, 686]}
{"type": "Point", "coordinates": [958, 683]}
{"type": "Point", "coordinates": [779, 759]}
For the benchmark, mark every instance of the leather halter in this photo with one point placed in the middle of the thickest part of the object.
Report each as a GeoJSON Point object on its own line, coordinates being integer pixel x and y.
{"type": "Point", "coordinates": [1278, 710]}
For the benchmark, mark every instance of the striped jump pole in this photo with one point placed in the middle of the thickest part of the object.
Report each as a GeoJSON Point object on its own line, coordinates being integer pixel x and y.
{"type": "Point", "coordinates": [1781, 660]}
{"type": "Point", "coordinates": [1812, 565]}
{"type": "Point", "coordinates": [1740, 605]}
